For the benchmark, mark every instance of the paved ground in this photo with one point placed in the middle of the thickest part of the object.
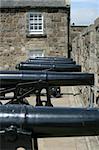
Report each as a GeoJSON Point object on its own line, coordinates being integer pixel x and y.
{"type": "Point", "coordinates": [79, 143]}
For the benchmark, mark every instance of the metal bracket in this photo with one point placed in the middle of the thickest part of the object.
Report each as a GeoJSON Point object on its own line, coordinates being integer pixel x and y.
{"type": "Point", "coordinates": [21, 92]}
{"type": "Point", "coordinates": [12, 138]}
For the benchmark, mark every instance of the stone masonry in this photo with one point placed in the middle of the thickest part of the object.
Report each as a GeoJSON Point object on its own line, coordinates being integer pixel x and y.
{"type": "Point", "coordinates": [85, 50]}
{"type": "Point", "coordinates": [75, 30]}
{"type": "Point", "coordinates": [15, 43]}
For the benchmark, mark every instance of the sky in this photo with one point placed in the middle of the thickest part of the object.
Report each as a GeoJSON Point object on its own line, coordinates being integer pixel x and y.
{"type": "Point", "coordinates": [84, 12]}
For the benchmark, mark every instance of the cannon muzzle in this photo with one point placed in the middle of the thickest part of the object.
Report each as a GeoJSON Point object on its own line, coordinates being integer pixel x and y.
{"type": "Point", "coordinates": [12, 78]}
{"type": "Point", "coordinates": [51, 122]}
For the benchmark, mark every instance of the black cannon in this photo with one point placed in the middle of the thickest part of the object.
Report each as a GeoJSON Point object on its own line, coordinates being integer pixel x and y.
{"type": "Point", "coordinates": [54, 91]}
{"type": "Point", "coordinates": [52, 58]}
{"type": "Point", "coordinates": [55, 67]}
{"type": "Point", "coordinates": [41, 61]}
{"type": "Point", "coordinates": [49, 62]}
{"type": "Point", "coordinates": [28, 122]}
{"type": "Point", "coordinates": [25, 83]}
{"type": "Point", "coordinates": [12, 78]}
{"type": "Point", "coordinates": [44, 120]}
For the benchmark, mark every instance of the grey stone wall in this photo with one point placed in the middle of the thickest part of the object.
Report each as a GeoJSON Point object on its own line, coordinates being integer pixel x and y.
{"type": "Point", "coordinates": [76, 30]}
{"type": "Point", "coordinates": [14, 42]}
{"type": "Point", "coordinates": [85, 50]}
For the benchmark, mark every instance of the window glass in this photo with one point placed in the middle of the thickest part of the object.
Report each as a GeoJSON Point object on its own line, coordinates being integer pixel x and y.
{"type": "Point", "coordinates": [35, 23]}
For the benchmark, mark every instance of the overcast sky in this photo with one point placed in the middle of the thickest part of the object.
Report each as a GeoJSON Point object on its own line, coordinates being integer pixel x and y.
{"type": "Point", "coordinates": [84, 12]}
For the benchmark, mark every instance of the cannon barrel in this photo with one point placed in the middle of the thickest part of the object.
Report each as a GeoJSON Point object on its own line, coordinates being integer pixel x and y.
{"type": "Point", "coordinates": [52, 58]}
{"type": "Point", "coordinates": [55, 67]}
{"type": "Point", "coordinates": [37, 61]}
{"type": "Point", "coordinates": [12, 78]}
{"type": "Point", "coordinates": [51, 122]}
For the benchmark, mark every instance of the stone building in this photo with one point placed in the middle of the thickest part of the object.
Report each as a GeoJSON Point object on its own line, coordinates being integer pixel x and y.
{"type": "Point", "coordinates": [85, 50]}
{"type": "Point", "coordinates": [33, 28]}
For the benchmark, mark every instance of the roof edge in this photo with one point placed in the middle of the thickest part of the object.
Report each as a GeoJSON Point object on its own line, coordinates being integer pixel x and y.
{"type": "Point", "coordinates": [34, 3]}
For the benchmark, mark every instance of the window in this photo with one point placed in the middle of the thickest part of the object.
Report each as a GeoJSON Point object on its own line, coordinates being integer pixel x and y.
{"type": "Point", "coordinates": [36, 53]}
{"type": "Point", "coordinates": [35, 23]}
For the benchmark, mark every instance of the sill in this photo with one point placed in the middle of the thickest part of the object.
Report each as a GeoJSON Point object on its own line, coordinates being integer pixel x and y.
{"type": "Point", "coordinates": [36, 35]}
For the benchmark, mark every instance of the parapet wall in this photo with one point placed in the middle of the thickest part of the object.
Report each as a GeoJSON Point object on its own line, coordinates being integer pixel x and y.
{"type": "Point", "coordinates": [85, 50]}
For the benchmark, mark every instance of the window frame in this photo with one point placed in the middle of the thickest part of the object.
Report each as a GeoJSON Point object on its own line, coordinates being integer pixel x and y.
{"type": "Point", "coordinates": [33, 22]}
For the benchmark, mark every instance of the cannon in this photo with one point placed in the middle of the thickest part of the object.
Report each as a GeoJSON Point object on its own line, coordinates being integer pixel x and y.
{"type": "Point", "coordinates": [12, 78]}
{"type": "Point", "coordinates": [52, 58]}
{"type": "Point", "coordinates": [25, 83]}
{"type": "Point", "coordinates": [54, 91]}
{"type": "Point", "coordinates": [41, 61]}
{"type": "Point", "coordinates": [49, 62]}
{"type": "Point", "coordinates": [55, 67]}
{"type": "Point", "coordinates": [30, 123]}
{"type": "Point", "coordinates": [42, 121]}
